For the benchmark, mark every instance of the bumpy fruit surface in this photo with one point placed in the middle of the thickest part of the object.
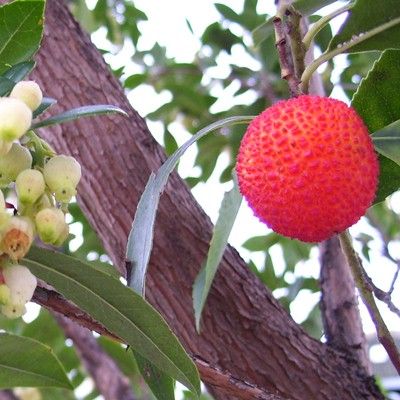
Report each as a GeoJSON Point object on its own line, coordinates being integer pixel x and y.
{"type": "Point", "coordinates": [15, 118]}
{"type": "Point", "coordinates": [29, 92]}
{"type": "Point", "coordinates": [15, 161]}
{"type": "Point", "coordinates": [62, 175]}
{"type": "Point", "coordinates": [307, 167]}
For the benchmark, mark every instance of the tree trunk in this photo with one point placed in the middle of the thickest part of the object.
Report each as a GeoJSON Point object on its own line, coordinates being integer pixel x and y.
{"type": "Point", "coordinates": [245, 331]}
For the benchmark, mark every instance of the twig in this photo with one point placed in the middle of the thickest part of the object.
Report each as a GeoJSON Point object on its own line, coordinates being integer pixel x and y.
{"type": "Point", "coordinates": [108, 378]}
{"type": "Point", "coordinates": [285, 57]}
{"type": "Point", "coordinates": [225, 381]}
{"type": "Point", "coordinates": [364, 288]}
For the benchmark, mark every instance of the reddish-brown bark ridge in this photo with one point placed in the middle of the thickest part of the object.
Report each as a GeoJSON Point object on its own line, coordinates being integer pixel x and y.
{"type": "Point", "coordinates": [245, 331]}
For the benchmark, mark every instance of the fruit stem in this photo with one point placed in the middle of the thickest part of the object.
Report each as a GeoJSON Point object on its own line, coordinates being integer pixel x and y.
{"type": "Point", "coordinates": [343, 47]}
{"type": "Point", "coordinates": [321, 23]}
{"type": "Point", "coordinates": [361, 281]}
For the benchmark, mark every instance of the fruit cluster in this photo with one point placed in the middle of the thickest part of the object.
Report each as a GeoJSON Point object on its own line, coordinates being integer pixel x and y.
{"type": "Point", "coordinates": [44, 184]}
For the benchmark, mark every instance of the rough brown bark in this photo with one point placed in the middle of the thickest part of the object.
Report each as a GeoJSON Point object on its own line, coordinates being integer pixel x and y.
{"type": "Point", "coordinates": [245, 330]}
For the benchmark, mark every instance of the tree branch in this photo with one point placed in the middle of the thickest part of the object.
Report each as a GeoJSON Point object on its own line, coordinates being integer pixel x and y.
{"type": "Point", "coordinates": [108, 378]}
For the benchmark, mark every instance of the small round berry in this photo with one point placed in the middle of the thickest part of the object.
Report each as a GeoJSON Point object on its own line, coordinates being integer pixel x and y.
{"type": "Point", "coordinates": [13, 311]}
{"type": "Point", "coordinates": [15, 118]}
{"type": "Point", "coordinates": [307, 167]}
{"type": "Point", "coordinates": [29, 92]}
{"type": "Point", "coordinates": [62, 175]}
{"type": "Point", "coordinates": [21, 282]}
{"type": "Point", "coordinates": [30, 186]}
{"type": "Point", "coordinates": [50, 224]}
{"type": "Point", "coordinates": [15, 161]}
{"type": "Point", "coordinates": [17, 237]}
{"type": "Point", "coordinates": [5, 294]}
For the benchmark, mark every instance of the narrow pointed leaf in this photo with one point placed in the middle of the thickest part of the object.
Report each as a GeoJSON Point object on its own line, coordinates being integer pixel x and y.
{"type": "Point", "coordinates": [222, 229]}
{"type": "Point", "coordinates": [377, 101]}
{"type": "Point", "coordinates": [161, 385]}
{"type": "Point", "coordinates": [20, 41]}
{"type": "Point", "coordinates": [46, 103]}
{"type": "Point", "coordinates": [75, 113]}
{"type": "Point", "coordinates": [27, 362]}
{"type": "Point", "coordinates": [383, 20]}
{"type": "Point", "coordinates": [387, 141]}
{"type": "Point", "coordinates": [119, 309]}
{"type": "Point", "coordinates": [6, 85]}
{"type": "Point", "coordinates": [140, 241]}
{"type": "Point", "coordinates": [19, 71]}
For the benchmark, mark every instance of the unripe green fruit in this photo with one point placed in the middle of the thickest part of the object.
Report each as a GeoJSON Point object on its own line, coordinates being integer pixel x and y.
{"type": "Point", "coordinates": [29, 92]}
{"type": "Point", "coordinates": [62, 175]}
{"type": "Point", "coordinates": [21, 282]}
{"type": "Point", "coordinates": [30, 186]}
{"type": "Point", "coordinates": [15, 118]}
{"type": "Point", "coordinates": [5, 294]}
{"type": "Point", "coordinates": [50, 224]}
{"type": "Point", "coordinates": [13, 311]}
{"type": "Point", "coordinates": [17, 237]}
{"type": "Point", "coordinates": [16, 160]}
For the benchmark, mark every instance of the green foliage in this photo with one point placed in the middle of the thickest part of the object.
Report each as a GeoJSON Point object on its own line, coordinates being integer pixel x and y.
{"type": "Point", "coordinates": [367, 15]}
{"type": "Point", "coordinates": [307, 7]}
{"type": "Point", "coordinates": [118, 308]}
{"type": "Point", "coordinates": [377, 102]}
{"type": "Point", "coordinates": [27, 362]}
{"type": "Point", "coordinates": [222, 229]}
{"type": "Point", "coordinates": [21, 38]}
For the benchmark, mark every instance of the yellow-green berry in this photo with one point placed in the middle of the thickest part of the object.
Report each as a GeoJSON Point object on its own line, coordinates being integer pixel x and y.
{"type": "Point", "coordinates": [30, 186]}
{"type": "Point", "coordinates": [15, 118]}
{"type": "Point", "coordinates": [16, 160]}
{"type": "Point", "coordinates": [62, 175]}
{"type": "Point", "coordinates": [29, 92]}
{"type": "Point", "coordinates": [5, 294]}
{"type": "Point", "coordinates": [50, 224]}
{"type": "Point", "coordinates": [63, 236]}
{"type": "Point", "coordinates": [13, 311]}
{"type": "Point", "coordinates": [4, 147]}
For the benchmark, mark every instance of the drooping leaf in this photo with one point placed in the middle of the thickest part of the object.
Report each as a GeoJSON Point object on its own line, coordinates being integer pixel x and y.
{"type": "Point", "coordinates": [46, 103]}
{"type": "Point", "coordinates": [20, 36]}
{"type": "Point", "coordinates": [308, 7]}
{"type": "Point", "coordinates": [161, 385]}
{"type": "Point", "coordinates": [118, 308]}
{"type": "Point", "coordinates": [387, 141]}
{"type": "Point", "coordinates": [222, 229]}
{"type": "Point", "coordinates": [382, 20]}
{"type": "Point", "coordinates": [377, 102]}
{"type": "Point", "coordinates": [140, 239]}
{"type": "Point", "coordinates": [19, 71]}
{"type": "Point", "coordinates": [75, 113]}
{"type": "Point", "coordinates": [27, 362]}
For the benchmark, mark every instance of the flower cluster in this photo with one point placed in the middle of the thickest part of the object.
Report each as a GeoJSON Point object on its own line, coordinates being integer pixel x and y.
{"type": "Point", "coordinates": [44, 184]}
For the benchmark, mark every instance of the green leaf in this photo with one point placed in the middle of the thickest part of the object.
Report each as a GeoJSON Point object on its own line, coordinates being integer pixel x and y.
{"type": "Point", "coordinates": [377, 101]}
{"type": "Point", "coordinates": [261, 243]}
{"type": "Point", "coordinates": [140, 240]}
{"type": "Point", "coordinates": [75, 113]}
{"type": "Point", "coordinates": [19, 71]}
{"type": "Point", "coordinates": [27, 362]}
{"type": "Point", "coordinates": [46, 103]}
{"type": "Point", "coordinates": [21, 32]}
{"type": "Point", "coordinates": [222, 229]}
{"type": "Point", "coordinates": [371, 16]}
{"type": "Point", "coordinates": [6, 85]}
{"type": "Point", "coordinates": [387, 141]}
{"type": "Point", "coordinates": [262, 32]}
{"type": "Point", "coordinates": [118, 308]}
{"type": "Point", "coordinates": [308, 7]}
{"type": "Point", "coordinates": [161, 385]}
{"type": "Point", "coordinates": [133, 81]}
